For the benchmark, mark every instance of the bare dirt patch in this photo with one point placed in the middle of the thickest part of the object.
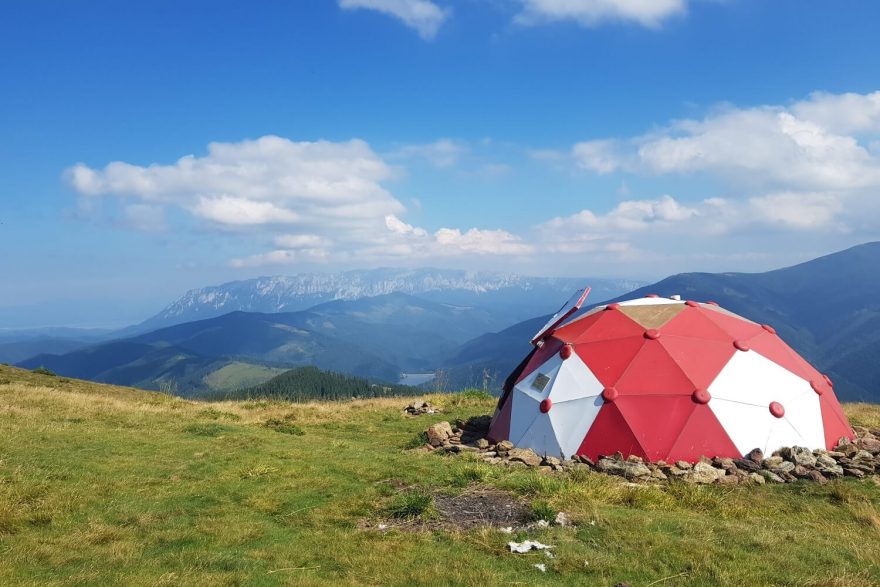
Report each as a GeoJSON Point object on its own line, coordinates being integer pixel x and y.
{"type": "Point", "coordinates": [476, 507]}
{"type": "Point", "coordinates": [480, 508]}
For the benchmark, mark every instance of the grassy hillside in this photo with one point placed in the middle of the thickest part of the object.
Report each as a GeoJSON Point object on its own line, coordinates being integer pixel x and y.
{"type": "Point", "coordinates": [108, 485]}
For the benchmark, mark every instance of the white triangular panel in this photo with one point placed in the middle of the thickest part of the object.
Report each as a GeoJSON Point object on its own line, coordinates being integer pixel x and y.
{"type": "Point", "coordinates": [805, 415]}
{"type": "Point", "coordinates": [572, 420]}
{"type": "Point", "coordinates": [548, 369]}
{"type": "Point", "coordinates": [782, 434]}
{"type": "Point", "coordinates": [523, 412]}
{"type": "Point", "coordinates": [747, 426]}
{"type": "Point", "coordinates": [574, 381]}
{"type": "Point", "coordinates": [540, 437]}
{"type": "Point", "coordinates": [751, 378]}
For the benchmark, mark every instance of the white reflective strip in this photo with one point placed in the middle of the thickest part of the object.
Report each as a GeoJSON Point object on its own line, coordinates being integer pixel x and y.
{"type": "Point", "coordinates": [650, 302]}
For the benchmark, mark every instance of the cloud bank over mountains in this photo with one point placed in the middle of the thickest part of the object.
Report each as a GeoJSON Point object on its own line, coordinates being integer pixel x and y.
{"type": "Point", "coordinates": [812, 165]}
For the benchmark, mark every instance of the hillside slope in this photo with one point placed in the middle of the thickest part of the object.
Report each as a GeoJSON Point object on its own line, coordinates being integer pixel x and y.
{"type": "Point", "coordinates": [103, 485]}
{"type": "Point", "coordinates": [827, 309]}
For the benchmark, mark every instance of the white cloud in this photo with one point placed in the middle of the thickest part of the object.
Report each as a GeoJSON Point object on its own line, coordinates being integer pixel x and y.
{"type": "Point", "coordinates": [269, 180]}
{"type": "Point", "coordinates": [807, 166]}
{"type": "Point", "coordinates": [480, 242]}
{"type": "Point", "coordinates": [440, 153]}
{"type": "Point", "coordinates": [313, 201]}
{"type": "Point", "coordinates": [600, 156]}
{"type": "Point", "coordinates": [800, 211]}
{"type": "Point", "coordinates": [648, 13]}
{"type": "Point", "coordinates": [240, 211]}
{"type": "Point", "coordinates": [842, 113]}
{"type": "Point", "coordinates": [422, 15]}
{"type": "Point", "coordinates": [301, 241]}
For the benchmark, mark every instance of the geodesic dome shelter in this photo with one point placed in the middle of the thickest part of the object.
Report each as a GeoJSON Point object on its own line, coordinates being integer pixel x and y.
{"type": "Point", "coordinates": [665, 379]}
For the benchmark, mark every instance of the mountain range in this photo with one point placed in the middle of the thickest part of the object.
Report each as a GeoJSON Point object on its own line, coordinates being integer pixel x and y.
{"type": "Point", "coordinates": [827, 309]}
{"type": "Point", "coordinates": [510, 297]}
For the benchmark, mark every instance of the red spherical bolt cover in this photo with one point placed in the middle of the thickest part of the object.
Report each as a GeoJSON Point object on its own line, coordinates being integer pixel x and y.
{"type": "Point", "coordinates": [776, 409]}
{"type": "Point", "coordinates": [545, 405]}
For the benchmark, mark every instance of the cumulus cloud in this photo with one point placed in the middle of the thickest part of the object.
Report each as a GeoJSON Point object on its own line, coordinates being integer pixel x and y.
{"type": "Point", "coordinates": [313, 201]}
{"type": "Point", "coordinates": [424, 16]}
{"type": "Point", "coordinates": [803, 166]}
{"type": "Point", "coordinates": [588, 13]}
{"type": "Point", "coordinates": [263, 181]}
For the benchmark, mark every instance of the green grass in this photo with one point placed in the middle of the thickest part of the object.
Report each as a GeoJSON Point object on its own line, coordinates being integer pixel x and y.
{"type": "Point", "coordinates": [103, 485]}
{"type": "Point", "coordinates": [238, 375]}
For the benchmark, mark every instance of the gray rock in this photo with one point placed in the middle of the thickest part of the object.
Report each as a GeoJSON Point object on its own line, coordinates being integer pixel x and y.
{"type": "Point", "coordinates": [552, 461]}
{"type": "Point", "coordinates": [633, 470]}
{"type": "Point", "coordinates": [757, 478]}
{"type": "Point", "coordinates": [439, 433]}
{"type": "Point", "coordinates": [863, 455]}
{"type": "Point", "coordinates": [747, 465]}
{"type": "Point", "coordinates": [756, 455]}
{"type": "Point", "coordinates": [799, 455]}
{"type": "Point", "coordinates": [684, 465]}
{"type": "Point", "coordinates": [853, 473]}
{"type": "Point", "coordinates": [783, 467]}
{"type": "Point", "coordinates": [482, 443]}
{"type": "Point", "coordinates": [772, 462]}
{"type": "Point", "coordinates": [610, 466]}
{"type": "Point", "coordinates": [828, 466]}
{"type": "Point", "coordinates": [504, 446]}
{"type": "Point", "coordinates": [872, 445]}
{"type": "Point", "coordinates": [524, 455]}
{"type": "Point", "coordinates": [771, 476]}
{"type": "Point", "coordinates": [704, 473]}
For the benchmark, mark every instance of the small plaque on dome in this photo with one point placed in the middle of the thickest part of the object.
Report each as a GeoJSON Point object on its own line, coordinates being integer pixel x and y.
{"type": "Point", "coordinates": [540, 382]}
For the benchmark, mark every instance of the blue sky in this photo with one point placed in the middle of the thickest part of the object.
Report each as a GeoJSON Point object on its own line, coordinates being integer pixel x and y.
{"type": "Point", "coordinates": [148, 147]}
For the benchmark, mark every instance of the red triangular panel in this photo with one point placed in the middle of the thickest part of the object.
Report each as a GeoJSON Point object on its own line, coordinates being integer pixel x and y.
{"type": "Point", "coordinates": [610, 433]}
{"type": "Point", "coordinates": [550, 347]}
{"type": "Point", "coordinates": [774, 348]}
{"type": "Point", "coordinates": [499, 428]}
{"type": "Point", "coordinates": [693, 322]}
{"type": "Point", "coordinates": [609, 359]}
{"type": "Point", "coordinates": [702, 435]}
{"type": "Point", "coordinates": [738, 328]}
{"type": "Point", "coordinates": [656, 421]}
{"type": "Point", "coordinates": [571, 331]}
{"type": "Point", "coordinates": [609, 324]}
{"type": "Point", "coordinates": [700, 359]}
{"type": "Point", "coordinates": [652, 371]}
{"type": "Point", "coordinates": [834, 420]}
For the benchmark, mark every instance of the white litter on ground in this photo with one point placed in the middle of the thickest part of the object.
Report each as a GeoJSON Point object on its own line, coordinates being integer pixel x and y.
{"type": "Point", "coordinates": [508, 530]}
{"type": "Point", "coordinates": [541, 567]}
{"type": "Point", "coordinates": [541, 524]}
{"type": "Point", "coordinates": [523, 547]}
